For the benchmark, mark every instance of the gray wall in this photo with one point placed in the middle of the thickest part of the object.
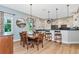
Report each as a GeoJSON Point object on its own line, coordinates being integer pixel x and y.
{"type": "Point", "coordinates": [18, 15]}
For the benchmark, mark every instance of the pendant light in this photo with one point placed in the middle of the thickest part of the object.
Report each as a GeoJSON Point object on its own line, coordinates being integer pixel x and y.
{"type": "Point", "coordinates": [67, 10]}
{"type": "Point", "coordinates": [49, 20]}
{"type": "Point", "coordinates": [56, 13]}
{"type": "Point", "coordinates": [31, 18]}
{"type": "Point", "coordinates": [30, 10]}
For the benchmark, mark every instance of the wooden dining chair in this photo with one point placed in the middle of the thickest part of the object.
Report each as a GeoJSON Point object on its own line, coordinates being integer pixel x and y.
{"type": "Point", "coordinates": [26, 40]}
{"type": "Point", "coordinates": [39, 40]}
{"type": "Point", "coordinates": [21, 39]}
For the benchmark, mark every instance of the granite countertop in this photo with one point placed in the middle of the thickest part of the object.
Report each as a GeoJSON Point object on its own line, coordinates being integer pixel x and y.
{"type": "Point", "coordinates": [71, 30]}
{"type": "Point", "coordinates": [56, 29]}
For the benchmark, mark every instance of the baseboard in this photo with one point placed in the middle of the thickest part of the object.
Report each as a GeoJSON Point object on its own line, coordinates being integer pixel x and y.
{"type": "Point", "coordinates": [70, 42]}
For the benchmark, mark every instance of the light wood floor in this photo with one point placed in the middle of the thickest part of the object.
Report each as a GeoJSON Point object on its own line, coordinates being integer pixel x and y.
{"type": "Point", "coordinates": [49, 48]}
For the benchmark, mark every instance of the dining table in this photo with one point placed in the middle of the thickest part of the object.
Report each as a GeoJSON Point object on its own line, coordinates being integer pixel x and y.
{"type": "Point", "coordinates": [32, 38]}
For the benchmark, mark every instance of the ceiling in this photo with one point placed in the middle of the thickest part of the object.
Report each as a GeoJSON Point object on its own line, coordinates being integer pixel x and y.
{"type": "Point", "coordinates": [41, 10]}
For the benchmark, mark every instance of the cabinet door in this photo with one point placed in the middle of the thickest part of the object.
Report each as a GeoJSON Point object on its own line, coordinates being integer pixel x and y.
{"type": "Point", "coordinates": [6, 45]}
{"type": "Point", "coordinates": [2, 49]}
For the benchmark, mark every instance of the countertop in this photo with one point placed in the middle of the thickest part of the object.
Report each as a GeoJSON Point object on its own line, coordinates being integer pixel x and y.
{"type": "Point", "coordinates": [6, 35]}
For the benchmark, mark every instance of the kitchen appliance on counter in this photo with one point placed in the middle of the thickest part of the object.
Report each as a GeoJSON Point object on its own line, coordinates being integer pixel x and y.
{"type": "Point", "coordinates": [63, 27]}
{"type": "Point", "coordinates": [54, 27]}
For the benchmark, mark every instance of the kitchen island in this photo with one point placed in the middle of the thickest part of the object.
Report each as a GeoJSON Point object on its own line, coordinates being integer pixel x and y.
{"type": "Point", "coordinates": [68, 36]}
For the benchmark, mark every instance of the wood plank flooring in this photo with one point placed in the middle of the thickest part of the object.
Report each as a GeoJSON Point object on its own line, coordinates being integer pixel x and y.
{"type": "Point", "coordinates": [49, 48]}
